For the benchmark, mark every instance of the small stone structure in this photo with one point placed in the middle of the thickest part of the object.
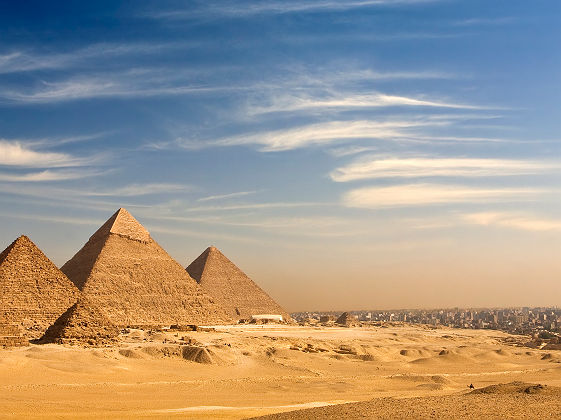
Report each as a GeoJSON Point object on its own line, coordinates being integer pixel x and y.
{"type": "Point", "coordinates": [265, 318]}
{"type": "Point", "coordinates": [11, 336]}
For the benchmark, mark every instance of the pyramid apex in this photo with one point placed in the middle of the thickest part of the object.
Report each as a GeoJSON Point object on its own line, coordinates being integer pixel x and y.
{"type": "Point", "coordinates": [23, 239]}
{"type": "Point", "coordinates": [126, 225]}
{"type": "Point", "coordinates": [122, 223]}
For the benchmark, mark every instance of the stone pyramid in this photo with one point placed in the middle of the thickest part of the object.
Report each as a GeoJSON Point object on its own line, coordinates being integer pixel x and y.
{"type": "Point", "coordinates": [33, 291]}
{"type": "Point", "coordinates": [82, 323]}
{"type": "Point", "coordinates": [231, 287]}
{"type": "Point", "coordinates": [347, 320]}
{"type": "Point", "coordinates": [134, 282]}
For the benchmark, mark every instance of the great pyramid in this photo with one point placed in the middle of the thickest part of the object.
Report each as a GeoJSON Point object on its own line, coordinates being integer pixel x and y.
{"type": "Point", "coordinates": [82, 323]}
{"type": "Point", "coordinates": [33, 291]}
{"type": "Point", "coordinates": [231, 287]}
{"type": "Point", "coordinates": [134, 282]}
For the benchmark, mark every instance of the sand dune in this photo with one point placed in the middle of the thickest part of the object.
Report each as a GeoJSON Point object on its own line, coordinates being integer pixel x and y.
{"type": "Point", "coordinates": [242, 371]}
{"type": "Point", "coordinates": [504, 401]}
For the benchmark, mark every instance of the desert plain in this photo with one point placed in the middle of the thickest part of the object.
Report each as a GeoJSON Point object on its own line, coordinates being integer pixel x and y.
{"type": "Point", "coordinates": [241, 371]}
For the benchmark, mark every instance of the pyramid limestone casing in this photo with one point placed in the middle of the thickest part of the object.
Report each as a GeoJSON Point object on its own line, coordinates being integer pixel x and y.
{"type": "Point", "coordinates": [33, 291]}
{"type": "Point", "coordinates": [133, 281]}
{"type": "Point", "coordinates": [82, 323]}
{"type": "Point", "coordinates": [231, 287]}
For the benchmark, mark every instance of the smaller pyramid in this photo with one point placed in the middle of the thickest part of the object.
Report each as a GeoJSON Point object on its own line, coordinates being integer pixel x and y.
{"type": "Point", "coordinates": [231, 287]}
{"type": "Point", "coordinates": [33, 291]}
{"type": "Point", "coordinates": [82, 324]}
{"type": "Point", "coordinates": [347, 320]}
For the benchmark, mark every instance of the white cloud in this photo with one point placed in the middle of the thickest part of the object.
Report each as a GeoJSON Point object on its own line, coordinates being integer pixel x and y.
{"type": "Point", "coordinates": [288, 103]}
{"type": "Point", "coordinates": [255, 206]}
{"type": "Point", "coordinates": [14, 153]}
{"type": "Point", "coordinates": [48, 175]}
{"type": "Point", "coordinates": [27, 60]}
{"type": "Point", "coordinates": [315, 134]}
{"type": "Point", "coordinates": [85, 88]}
{"type": "Point", "coordinates": [486, 21]}
{"type": "Point", "coordinates": [372, 75]}
{"type": "Point", "coordinates": [135, 190]}
{"type": "Point", "coordinates": [121, 84]}
{"type": "Point", "coordinates": [350, 150]}
{"type": "Point", "coordinates": [412, 195]}
{"type": "Point", "coordinates": [373, 167]}
{"type": "Point", "coordinates": [227, 196]}
{"type": "Point", "coordinates": [212, 10]}
{"type": "Point", "coordinates": [514, 221]}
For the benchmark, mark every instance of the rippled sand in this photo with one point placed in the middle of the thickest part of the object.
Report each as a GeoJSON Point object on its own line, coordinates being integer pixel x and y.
{"type": "Point", "coordinates": [243, 371]}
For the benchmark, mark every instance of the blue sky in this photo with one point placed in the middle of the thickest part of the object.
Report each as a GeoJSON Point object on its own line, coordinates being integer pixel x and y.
{"type": "Point", "coordinates": [366, 153]}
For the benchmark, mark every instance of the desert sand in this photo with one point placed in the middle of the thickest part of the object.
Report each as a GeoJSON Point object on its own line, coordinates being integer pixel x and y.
{"type": "Point", "coordinates": [252, 370]}
{"type": "Point", "coordinates": [516, 400]}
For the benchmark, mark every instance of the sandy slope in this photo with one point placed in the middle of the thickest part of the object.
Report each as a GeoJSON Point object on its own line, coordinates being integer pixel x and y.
{"type": "Point", "coordinates": [250, 371]}
{"type": "Point", "coordinates": [509, 405]}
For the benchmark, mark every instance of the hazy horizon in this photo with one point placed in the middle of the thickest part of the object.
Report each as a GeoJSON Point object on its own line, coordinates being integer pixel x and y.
{"type": "Point", "coordinates": [363, 154]}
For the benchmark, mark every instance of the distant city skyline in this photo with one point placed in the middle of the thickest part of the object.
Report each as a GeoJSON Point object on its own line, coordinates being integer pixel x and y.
{"type": "Point", "coordinates": [377, 153]}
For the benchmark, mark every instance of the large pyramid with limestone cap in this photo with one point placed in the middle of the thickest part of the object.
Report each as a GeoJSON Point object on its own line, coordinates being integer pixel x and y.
{"type": "Point", "coordinates": [231, 287]}
{"type": "Point", "coordinates": [134, 282]}
{"type": "Point", "coordinates": [33, 291]}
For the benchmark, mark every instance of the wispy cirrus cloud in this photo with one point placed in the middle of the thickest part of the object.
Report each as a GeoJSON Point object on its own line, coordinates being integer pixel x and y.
{"type": "Point", "coordinates": [227, 196]}
{"type": "Point", "coordinates": [312, 135]}
{"type": "Point", "coordinates": [213, 10]}
{"type": "Point", "coordinates": [350, 150]}
{"type": "Point", "coordinates": [514, 221]}
{"type": "Point", "coordinates": [26, 60]}
{"type": "Point", "coordinates": [174, 81]}
{"type": "Point", "coordinates": [136, 190]}
{"type": "Point", "coordinates": [486, 21]}
{"type": "Point", "coordinates": [353, 101]}
{"type": "Point", "coordinates": [115, 86]}
{"type": "Point", "coordinates": [375, 167]}
{"type": "Point", "coordinates": [415, 195]}
{"type": "Point", "coordinates": [91, 198]}
{"type": "Point", "coordinates": [15, 153]}
{"type": "Point", "coordinates": [365, 75]}
{"type": "Point", "coordinates": [50, 175]}
{"type": "Point", "coordinates": [257, 206]}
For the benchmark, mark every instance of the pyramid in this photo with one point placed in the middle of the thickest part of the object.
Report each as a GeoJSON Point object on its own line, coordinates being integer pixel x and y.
{"type": "Point", "coordinates": [231, 287]}
{"type": "Point", "coordinates": [33, 291]}
{"type": "Point", "coordinates": [82, 323]}
{"type": "Point", "coordinates": [347, 320]}
{"type": "Point", "coordinates": [134, 282]}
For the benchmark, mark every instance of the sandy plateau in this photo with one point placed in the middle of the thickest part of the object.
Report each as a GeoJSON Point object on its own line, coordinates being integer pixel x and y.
{"type": "Point", "coordinates": [252, 370]}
